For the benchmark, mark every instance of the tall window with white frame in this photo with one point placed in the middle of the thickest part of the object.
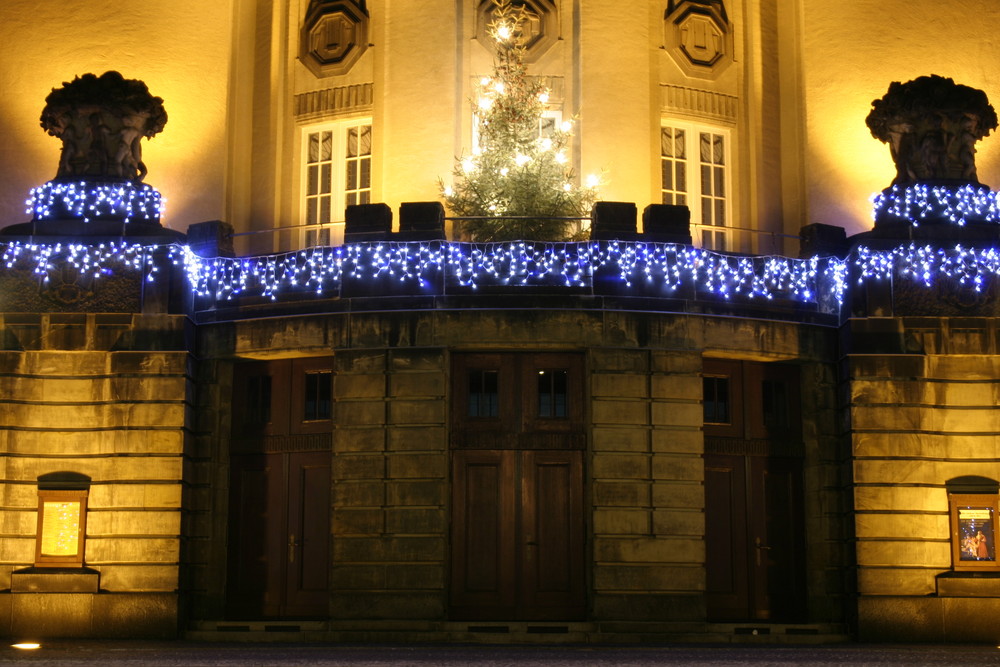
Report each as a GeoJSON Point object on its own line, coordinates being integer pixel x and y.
{"type": "Point", "coordinates": [695, 173]}
{"type": "Point", "coordinates": [337, 173]}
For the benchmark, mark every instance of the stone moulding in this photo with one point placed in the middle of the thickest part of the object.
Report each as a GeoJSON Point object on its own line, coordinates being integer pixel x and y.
{"type": "Point", "coordinates": [540, 26]}
{"type": "Point", "coordinates": [702, 103]}
{"type": "Point", "coordinates": [333, 101]}
{"type": "Point", "coordinates": [334, 36]}
{"type": "Point", "coordinates": [697, 36]}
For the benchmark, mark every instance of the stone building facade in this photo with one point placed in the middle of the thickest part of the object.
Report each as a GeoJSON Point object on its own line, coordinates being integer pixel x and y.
{"type": "Point", "coordinates": [762, 430]}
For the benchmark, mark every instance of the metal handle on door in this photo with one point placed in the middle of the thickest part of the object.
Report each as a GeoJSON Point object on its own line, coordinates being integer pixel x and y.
{"type": "Point", "coordinates": [759, 548]}
{"type": "Point", "coordinates": [291, 547]}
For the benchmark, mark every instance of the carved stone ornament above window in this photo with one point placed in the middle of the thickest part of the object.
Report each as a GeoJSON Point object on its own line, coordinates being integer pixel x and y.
{"type": "Point", "coordinates": [540, 26]}
{"type": "Point", "coordinates": [698, 37]}
{"type": "Point", "coordinates": [334, 35]}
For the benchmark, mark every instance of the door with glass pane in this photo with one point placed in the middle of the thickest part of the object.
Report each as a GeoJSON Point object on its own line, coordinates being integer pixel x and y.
{"type": "Point", "coordinates": [517, 487]}
{"type": "Point", "coordinates": [754, 533]}
{"type": "Point", "coordinates": [280, 490]}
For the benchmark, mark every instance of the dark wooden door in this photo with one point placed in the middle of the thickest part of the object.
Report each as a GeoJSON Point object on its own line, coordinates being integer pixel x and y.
{"type": "Point", "coordinates": [517, 540]}
{"type": "Point", "coordinates": [279, 535]}
{"type": "Point", "coordinates": [279, 521]}
{"type": "Point", "coordinates": [754, 533]}
{"type": "Point", "coordinates": [517, 487]}
{"type": "Point", "coordinates": [753, 538]}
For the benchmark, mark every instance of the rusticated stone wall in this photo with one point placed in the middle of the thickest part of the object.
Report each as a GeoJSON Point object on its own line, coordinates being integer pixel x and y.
{"type": "Point", "coordinates": [648, 502]}
{"type": "Point", "coordinates": [922, 411]}
{"type": "Point", "coordinates": [390, 482]}
{"type": "Point", "coordinates": [90, 395]}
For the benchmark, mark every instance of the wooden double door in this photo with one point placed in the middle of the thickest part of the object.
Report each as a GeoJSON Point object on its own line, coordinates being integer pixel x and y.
{"type": "Point", "coordinates": [279, 518]}
{"type": "Point", "coordinates": [517, 541]}
{"type": "Point", "coordinates": [754, 533]}
{"type": "Point", "coordinates": [517, 530]}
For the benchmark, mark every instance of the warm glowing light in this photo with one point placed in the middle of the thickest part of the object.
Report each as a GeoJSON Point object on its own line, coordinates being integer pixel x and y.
{"type": "Point", "coordinates": [520, 160]}
{"type": "Point", "coordinates": [504, 32]}
{"type": "Point", "coordinates": [543, 97]}
{"type": "Point", "coordinates": [593, 180]}
{"type": "Point", "coordinates": [499, 87]}
{"type": "Point", "coordinates": [567, 187]}
{"type": "Point", "coordinates": [468, 165]}
{"type": "Point", "coordinates": [485, 103]}
{"type": "Point", "coordinates": [561, 157]}
{"type": "Point", "coordinates": [546, 144]}
{"type": "Point", "coordinates": [449, 191]}
{"type": "Point", "coordinates": [566, 125]}
{"type": "Point", "coordinates": [27, 646]}
{"type": "Point", "coordinates": [504, 171]}
{"type": "Point", "coordinates": [485, 81]}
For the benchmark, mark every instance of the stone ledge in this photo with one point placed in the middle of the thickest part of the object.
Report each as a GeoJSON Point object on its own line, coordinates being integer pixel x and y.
{"type": "Point", "coordinates": [55, 580]}
{"type": "Point", "coordinates": [969, 584]}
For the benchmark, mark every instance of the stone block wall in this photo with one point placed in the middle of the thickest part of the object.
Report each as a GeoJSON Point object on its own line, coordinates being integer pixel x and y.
{"type": "Point", "coordinates": [390, 482]}
{"type": "Point", "coordinates": [648, 499]}
{"type": "Point", "coordinates": [920, 415]}
{"type": "Point", "coordinates": [82, 399]}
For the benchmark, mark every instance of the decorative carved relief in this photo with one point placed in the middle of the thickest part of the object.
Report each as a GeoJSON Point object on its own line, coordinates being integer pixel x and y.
{"type": "Point", "coordinates": [697, 35]}
{"type": "Point", "coordinates": [540, 27]}
{"type": "Point", "coordinates": [332, 101]}
{"type": "Point", "coordinates": [334, 36]}
{"type": "Point", "coordinates": [701, 103]}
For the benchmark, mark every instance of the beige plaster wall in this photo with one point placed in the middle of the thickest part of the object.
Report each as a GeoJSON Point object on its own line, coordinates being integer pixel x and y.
{"type": "Point", "coordinates": [180, 48]}
{"type": "Point", "coordinates": [851, 52]}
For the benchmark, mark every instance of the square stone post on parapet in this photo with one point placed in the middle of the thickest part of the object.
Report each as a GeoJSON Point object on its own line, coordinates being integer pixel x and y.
{"type": "Point", "coordinates": [667, 223]}
{"type": "Point", "coordinates": [613, 221]}
{"type": "Point", "coordinates": [367, 222]}
{"type": "Point", "coordinates": [421, 221]}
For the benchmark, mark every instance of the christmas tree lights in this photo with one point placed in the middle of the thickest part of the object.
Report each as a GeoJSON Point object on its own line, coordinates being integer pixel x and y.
{"type": "Point", "coordinates": [517, 183]}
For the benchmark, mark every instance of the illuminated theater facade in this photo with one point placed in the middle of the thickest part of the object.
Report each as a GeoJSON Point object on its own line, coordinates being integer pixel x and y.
{"type": "Point", "coordinates": [256, 383]}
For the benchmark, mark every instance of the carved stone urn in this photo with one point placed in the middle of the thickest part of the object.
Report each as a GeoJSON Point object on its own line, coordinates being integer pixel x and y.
{"type": "Point", "coordinates": [98, 188]}
{"type": "Point", "coordinates": [931, 125]}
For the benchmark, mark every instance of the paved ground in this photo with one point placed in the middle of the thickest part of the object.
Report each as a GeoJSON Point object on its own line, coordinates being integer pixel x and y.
{"type": "Point", "coordinates": [190, 654]}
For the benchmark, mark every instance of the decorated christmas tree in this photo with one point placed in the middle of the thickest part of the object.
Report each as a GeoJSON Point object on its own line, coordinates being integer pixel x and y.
{"type": "Point", "coordinates": [517, 180]}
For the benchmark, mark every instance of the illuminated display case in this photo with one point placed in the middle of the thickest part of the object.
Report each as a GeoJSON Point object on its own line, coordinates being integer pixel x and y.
{"type": "Point", "coordinates": [973, 531]}
{"type": "Point", "coordinates": [62, 525]}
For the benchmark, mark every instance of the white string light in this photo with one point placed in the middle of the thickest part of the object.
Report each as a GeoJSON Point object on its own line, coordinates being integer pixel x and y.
{"type": "Point", "coordinates": [918, 202]}
{"type": "Point", "coordinates": [87, 200]}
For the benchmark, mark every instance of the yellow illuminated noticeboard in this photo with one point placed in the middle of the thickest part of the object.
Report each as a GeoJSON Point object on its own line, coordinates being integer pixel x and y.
{"type": "Point", "coordinates": [62, 516]}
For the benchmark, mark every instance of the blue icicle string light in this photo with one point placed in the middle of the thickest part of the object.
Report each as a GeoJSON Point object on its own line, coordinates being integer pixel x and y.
{"type": "Point", "coordinates": [637, 267]}
{"type": "Point", "coordinates": [88, 200]}
{"type": "Point", "coordinates": [90, 261]}
{"type": "Point", "coordinates": [918, 202]}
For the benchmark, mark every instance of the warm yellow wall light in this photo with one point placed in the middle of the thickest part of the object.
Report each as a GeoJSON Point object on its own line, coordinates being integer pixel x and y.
{"type": "Point", "coordinates": [27, 645]}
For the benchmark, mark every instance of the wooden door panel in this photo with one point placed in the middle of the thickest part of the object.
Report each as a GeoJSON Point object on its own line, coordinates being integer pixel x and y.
{"type": "Point", "coordinates": [306, 554]}
{"type": "Point", "coordinates": [551, 535]}
{"type": "Point", "coordinates": [780, 563]}
{"type": "Point", "coordinates": [727, 594]}
{"type": "Point", "coordinates": [253, 586]}
{"type": "Point", "coordinates": [483, 563]}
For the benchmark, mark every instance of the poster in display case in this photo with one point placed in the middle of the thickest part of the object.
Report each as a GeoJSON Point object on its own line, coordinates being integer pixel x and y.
{"type": "Point", "coordinates": [973, 531]}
